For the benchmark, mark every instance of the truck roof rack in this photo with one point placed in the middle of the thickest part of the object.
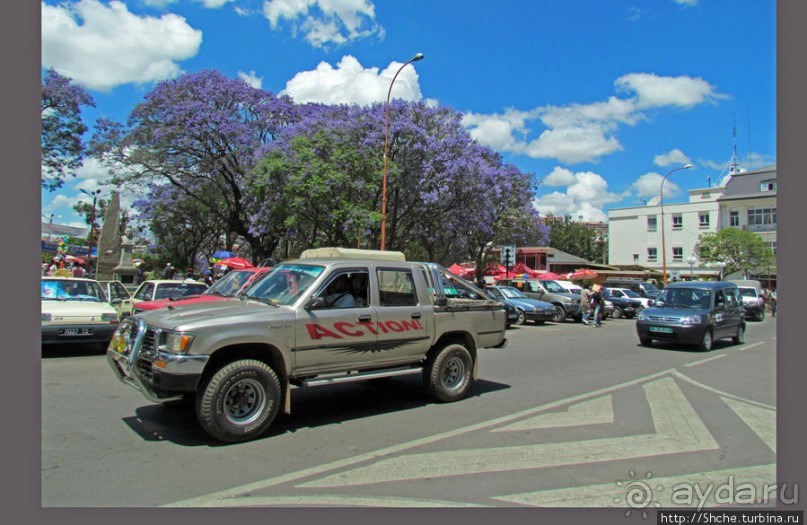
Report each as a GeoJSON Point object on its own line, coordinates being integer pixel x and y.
{"type": "Point", "coordinates": [351, 253]}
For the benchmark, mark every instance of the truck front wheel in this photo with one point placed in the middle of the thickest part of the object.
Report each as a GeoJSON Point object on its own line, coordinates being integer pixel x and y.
{"type": "Point", "coordinates": [447, 373]}
{"type": "Point", "coordinates": [240, 401]}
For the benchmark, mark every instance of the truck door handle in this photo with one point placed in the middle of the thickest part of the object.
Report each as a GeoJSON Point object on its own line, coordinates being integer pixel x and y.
{"type": "Point", "coordinates": [365, 317]}
{"type": "Point", "coordinates": [415, 315]}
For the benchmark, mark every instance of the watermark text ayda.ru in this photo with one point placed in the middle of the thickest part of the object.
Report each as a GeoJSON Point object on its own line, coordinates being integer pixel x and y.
{"type": "Point", "coordinates": [734, 492]}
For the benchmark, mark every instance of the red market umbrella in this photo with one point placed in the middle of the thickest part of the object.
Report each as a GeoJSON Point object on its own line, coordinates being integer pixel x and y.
{"type": "Point", "coordinates": [549, 276]}
{"type": "Point", "coordinates": [236, 263]}
{"type": "Point", "coordinates": [73, 258]}
{"type": "Point", "coordinates": [582, 275]}
{"type": "Point", "coordinates": [456, 269]}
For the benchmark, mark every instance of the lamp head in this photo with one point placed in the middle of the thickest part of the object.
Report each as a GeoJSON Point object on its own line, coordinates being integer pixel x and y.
{"type": "Point", "coordinates": [417, 57]}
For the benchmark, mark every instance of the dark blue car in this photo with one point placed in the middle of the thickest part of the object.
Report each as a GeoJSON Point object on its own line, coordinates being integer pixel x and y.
{"type": "Point", "coordinates": [528, 309]}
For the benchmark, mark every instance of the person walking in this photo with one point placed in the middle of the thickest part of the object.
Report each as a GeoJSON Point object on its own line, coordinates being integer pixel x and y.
{"type": "Point", "coordinates": [597, 302]}
{"type": "Point", "coordinates": [585, 303]}
{"type": "Point", "coordinates": [168, 272]}
{"type": "Point", "coordinates": [773, 302]}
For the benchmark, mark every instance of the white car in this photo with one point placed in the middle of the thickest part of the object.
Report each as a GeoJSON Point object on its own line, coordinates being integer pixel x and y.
{"type": "Point", "coordinates": [166, 288]}
{"type": "Point", "coordinates": [630, 294]}
{"type": "Point", "coordinates": [76, 310]}
{"type": "Point", "coordinates": [119, 297]}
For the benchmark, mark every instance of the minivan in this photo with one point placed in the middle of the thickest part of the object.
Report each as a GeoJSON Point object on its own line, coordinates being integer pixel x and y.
{"type": "Point", "coordinates": [695, 313]}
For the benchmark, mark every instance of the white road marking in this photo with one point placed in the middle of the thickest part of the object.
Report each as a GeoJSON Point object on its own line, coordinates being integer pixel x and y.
{"type": "Point", "coordinates": [596, 411]}
{"type": "Point", "coordinates": [678, 429]}
{"type": "Point", "coordinates": [721, 393]}
{"type": "Point", "coordinates": [761, 420]}
{"type": "Point", "coordinates": [337, 501]}
{"type": "Point", "coordinates": [219, 497]}
{"type": "Point", "coordinates": [752, 345]}
{"type": "Point", "coordinates": [689, 490]}
{"type": "Point", "coordinates": [696, 363]}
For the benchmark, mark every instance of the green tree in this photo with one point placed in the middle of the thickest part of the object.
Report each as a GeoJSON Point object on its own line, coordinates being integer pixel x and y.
{"type": "Point", "coordinates": [575, 238]}
{"type": "Point", "coordinates": [741, 250]}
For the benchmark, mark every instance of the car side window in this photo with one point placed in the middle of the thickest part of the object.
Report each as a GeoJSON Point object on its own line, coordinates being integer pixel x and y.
{"type": "Point", "coordinates": [731, 298]}
{"type": "Point", "coordinates": [145, 292]}
{"type": "Point", "coordinates": [720, 301]}
{"type": "Point", "coordinates": [396, 287]}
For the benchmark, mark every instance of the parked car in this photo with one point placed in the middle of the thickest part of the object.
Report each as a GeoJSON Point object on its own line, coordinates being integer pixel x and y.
{"type": "Point", "coordinates": [694, 312]}
{"type": "Point", "coordinates": [751, 295]}
{"type": "Point", "coordinates": [566, 304]}
{"type": "Point", "coordinates": [630, 294]}
{"type": "Point", "coordinates": [232, 284]}
{"type": "Point", "coordinates": [528, 309]}
{"type": "Point", "coordinates": [643, 288]}
{"type": "Point", "coordinates": [76, 310]}
{"type": "Point", "coordinates": [166, 288]}
{"type": "Point", "coordinates": [562, 286]}
{"type": "Point", "coordinates": [119, 297]}
{"type": "Point", "coordinates": [623, 306]}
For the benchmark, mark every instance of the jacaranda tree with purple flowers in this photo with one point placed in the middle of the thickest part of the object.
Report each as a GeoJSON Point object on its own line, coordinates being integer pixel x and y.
{"type": "Point", "coordinates": [62, 128]}
{"type": "Point", "coordinates": [201, 134]}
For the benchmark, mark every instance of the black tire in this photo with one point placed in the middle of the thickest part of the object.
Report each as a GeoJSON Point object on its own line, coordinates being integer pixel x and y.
{"type": "Point", "coordinates": [522, 319]}
{"type": "Point", "coordinates": [240, 401]}
{"type": "Point", "coordinates": [645, 341]}
{"type": "Point", "coordinates": [760, 315]}
{"type": "Point", "coordinates": [740, 337]}
{"type": "Point", "coordinates": [560, 314]}
{"type": "Point", "coordinates": [706, 341]}
{"type": "Point", "coordinates": [447, 374]}
{"type": "Point", "coordinates": [617, 313]}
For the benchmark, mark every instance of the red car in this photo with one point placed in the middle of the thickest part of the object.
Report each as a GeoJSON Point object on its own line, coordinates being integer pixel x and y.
{"type": "Point", "coordinates": [228, 286]}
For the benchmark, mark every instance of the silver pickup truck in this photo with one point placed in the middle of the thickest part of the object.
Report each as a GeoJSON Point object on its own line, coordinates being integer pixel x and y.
{"type": "Point", "coordinates": [238, 358]}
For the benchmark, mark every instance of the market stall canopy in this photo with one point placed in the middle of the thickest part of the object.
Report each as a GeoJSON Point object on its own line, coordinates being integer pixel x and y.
{"type": "Point", "coordinates": [235, 263]}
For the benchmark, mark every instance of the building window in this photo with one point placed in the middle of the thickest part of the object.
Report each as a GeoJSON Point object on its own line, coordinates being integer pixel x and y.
{"type": "Point", "coordinates": [678, 221]}
{"type": "Point", "coordinates": [768, 185]}
{"type": "Point", "coordinates": [678, 253]}
{"type": "Point", "coordinates": [652, 254]}
{"type": "Point", "coordinates": [635, 258]}
{"type": "Point", "coordinates": [734, 219]}
{"type": "Point", "coordinates": [652, 224]}
{"type": "Point", "coordinates": [772, 244]}
{"type": "Point", "coordinates": [703, 219]}
{"type": "Point", "coordinates": [761, 217]}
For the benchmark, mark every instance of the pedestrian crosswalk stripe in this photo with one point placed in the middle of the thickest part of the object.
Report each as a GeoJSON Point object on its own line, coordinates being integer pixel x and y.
{"type": "Point", "coordinates": [678, 428]}
{"type": "Point", "coordinates": [762, 421]}
{"type": "Point", "coordinates": [595, 411]}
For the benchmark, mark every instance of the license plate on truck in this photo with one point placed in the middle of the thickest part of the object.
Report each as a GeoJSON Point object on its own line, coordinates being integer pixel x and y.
{"type": "Point", "coordinates": [71, 332]}
{"type": "Point", "coordinates": [661, 329]}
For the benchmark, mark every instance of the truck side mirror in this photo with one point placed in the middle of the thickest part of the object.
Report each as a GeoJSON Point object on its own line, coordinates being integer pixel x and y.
{"type": "Point", "coordinates": [316, 303]}
{"type": "Point", "coordinates": [441, 302]}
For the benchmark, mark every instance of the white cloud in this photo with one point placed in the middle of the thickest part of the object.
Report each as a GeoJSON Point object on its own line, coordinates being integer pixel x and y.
{"type": "Point", "coordinates": [215, 4]}
{"type": "Point", "coordinates": [102, 46]}
{"type": "Point", "coordinates": [324, 22]}
{"type": "Point", "coordinates": [687, 3]}
{"type": "Point", "coordinates": [251, 78]}
{"type": "Point", "coordinates": [586, 132]}
{"type": "Point", "coordinates": [649, 185]}
{"type": "Point", "coordinates": [586, 195]}
{"type": "Point", "coordinates": [673, 157]}
{"type": "Point", "coordinates": [653, 91]}
{"type": "Point", "coordinates": [350, 83]}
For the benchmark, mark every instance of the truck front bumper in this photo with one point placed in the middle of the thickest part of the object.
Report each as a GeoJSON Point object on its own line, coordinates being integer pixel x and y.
{"type": "Point", "coordinates": [159, 376]}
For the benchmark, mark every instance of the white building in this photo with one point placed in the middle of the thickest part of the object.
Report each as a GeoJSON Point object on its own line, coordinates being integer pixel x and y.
{"type": "Point", "coordinates": [635, 235]}
{"type": "Point", "coordinates": [747, 200]}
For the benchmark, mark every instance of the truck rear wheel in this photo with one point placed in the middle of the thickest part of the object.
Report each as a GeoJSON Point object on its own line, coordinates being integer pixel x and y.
{"type": "Point", "coordinates": [447, 373]}
{"type": "Point", "coordinates": [240, 401]}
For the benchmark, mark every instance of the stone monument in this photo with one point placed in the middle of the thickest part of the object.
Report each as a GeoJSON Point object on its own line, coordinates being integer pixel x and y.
{"type": "Point", "coordinates": [114, 256]}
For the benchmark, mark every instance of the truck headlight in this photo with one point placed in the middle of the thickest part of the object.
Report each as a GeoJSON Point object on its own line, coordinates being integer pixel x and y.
{"type": "Point", "coordinates": [175, 342]}
{"type": "Point", "coordinates": [691, 320]}
{"type": "Point", "coordinates": [46, 317]}
{"type": "Point", "coordinates": [641, 317]}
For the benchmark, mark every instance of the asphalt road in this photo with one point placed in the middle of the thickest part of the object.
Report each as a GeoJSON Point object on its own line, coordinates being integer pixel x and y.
{"type": "Point", "coordinates": [568, 415]}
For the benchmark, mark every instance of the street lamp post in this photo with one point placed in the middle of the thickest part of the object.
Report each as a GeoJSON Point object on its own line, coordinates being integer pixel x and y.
{"type": "Point", "coordinates": [94, 196]}
{"type": "Point", "coordinates": [415, 58]}
{"type": "Point", "coordinates": [691, 260]}
{"type": "Point", "coordinates": [50, 232]}
{"type": "Point", "coordinates": [663, 244]}
{"type": "Point", "coordinates": [720, 266]}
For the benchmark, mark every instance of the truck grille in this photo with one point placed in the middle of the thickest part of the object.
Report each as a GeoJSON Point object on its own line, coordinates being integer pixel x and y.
{"type": "Point", "coordinates": [663, 319]}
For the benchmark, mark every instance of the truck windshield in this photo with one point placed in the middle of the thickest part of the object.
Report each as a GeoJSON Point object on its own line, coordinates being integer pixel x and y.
{"type": "Point", "coordinates": [285, 284]}
{"type": "Point", "coordinates": [684, 298]}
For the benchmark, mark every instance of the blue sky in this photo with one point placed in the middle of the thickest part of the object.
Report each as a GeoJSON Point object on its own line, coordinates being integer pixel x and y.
{"type": "Point", "coordinates": [597, 99]}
